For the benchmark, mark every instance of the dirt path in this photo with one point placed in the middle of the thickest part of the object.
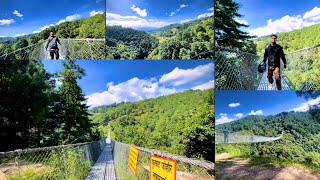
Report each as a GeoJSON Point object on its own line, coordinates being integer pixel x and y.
{"type": "Point", "coordinates": [241, 169]}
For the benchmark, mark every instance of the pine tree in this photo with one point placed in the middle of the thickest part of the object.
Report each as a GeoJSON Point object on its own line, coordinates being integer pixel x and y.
{"type": "Point", "coordinates": [227, 29]}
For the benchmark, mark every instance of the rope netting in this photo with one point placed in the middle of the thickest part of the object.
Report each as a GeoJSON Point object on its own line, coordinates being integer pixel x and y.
{"type": "Point", "coordinates": [73, 49]}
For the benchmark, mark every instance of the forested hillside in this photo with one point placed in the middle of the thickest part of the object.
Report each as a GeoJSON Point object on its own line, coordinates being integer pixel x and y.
{"type": "Point", "coordinates": [181, 123]}
{"type": "Point", "coordinates": [293, 40]}
{"type": "Point", "coordinates": [300, 143]}
{"type": "Point", "coordinates": [35, 112]}
{"type": "Point", "coordinates": [91, 27]}
{"type": "Point", "coordinates": [190, 40]}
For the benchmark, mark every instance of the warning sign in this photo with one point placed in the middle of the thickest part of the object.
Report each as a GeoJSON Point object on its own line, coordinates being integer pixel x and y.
{"type": "Point", "coordinates": [162, 168]}
{"type": "Point", "coordinates": [133, 159]}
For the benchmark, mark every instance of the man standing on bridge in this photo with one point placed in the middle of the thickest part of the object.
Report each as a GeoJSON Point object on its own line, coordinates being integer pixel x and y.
{"type": "Point", "coordinates": [273, 53]}
{"type": "Point", "coordinates": [53, 45]}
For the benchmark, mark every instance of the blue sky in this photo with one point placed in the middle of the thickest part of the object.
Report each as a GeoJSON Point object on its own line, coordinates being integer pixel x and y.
{"type": "Point", "coordinates": [141, 14]}
{"type": "Point", "coordinates": [273, 16]}
{"type": "Point", "coordinates": [233, 105]}
{"type": "Point", "coordinates": [26, 17]}
{"type": "Point", "coordinates": [107, 82]}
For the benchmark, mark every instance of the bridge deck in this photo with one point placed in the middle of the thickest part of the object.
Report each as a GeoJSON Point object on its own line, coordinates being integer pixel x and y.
{"type": "Point", "coordinates": [264, 84]}
{"type": "Point", "coordinates": [104, 167]}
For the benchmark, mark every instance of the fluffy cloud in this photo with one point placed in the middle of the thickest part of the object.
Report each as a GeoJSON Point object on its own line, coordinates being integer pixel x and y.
{"type": "Point", "coordinates": [132, 21]}
{"type": "Point", "coordinates": [132, 90]}
{"type": "Point", "coordinates": [241, 21]}
{"type": "Point", "coordinates": [179, 76]}
{"type": "Point", "coordinates": [186, 20]}
{"type": "Point", "coordinates": [239, 115]}
{"type": "Point", "coordinates": [70, 18]}
{"type": "Point", "coordinates": [94, 12]}
{"type": "Point", "coordinates": [205, 86]}
{"type": "Point", "coordinates": [233, 105]}
{"type": "Point", "coordinates": [211, 13]}
{"type": "Point", "coordinates": [303, 107]}
{"type": "Point", "coordinates": [43, 28]}
{"type": "Point", "coordinates": [313, 15]}
{"type": "Point", "coordinates": [6, 21]}
{"type": "Point", "coordinates": [17, 35]}
{"type": "Point", "coordinates": [16, 12]}
{"type": "Point", "coordinates": [177, 10]}
{"type": "Point", "coordinates": [139, 11]}
{"type": "Point", "coordinates": [223, 119]}
{"type": "Point", "coordinates": [255, 113]}
{"type": "Point", "coordinates": [288, 23]}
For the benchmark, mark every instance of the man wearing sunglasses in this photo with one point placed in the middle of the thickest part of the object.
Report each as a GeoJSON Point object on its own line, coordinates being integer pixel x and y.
{"type": "Point", "coordinates": [273, 53]}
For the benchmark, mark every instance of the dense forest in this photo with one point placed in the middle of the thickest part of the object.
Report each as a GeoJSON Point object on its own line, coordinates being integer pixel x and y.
{"type": "Point", "coordinates": [35, 112]}
{"type": "Point", "coordinates": [91, 27]}
{"type": "Point", "coordinates": [190, 40]}
{"type": "Point", "coordinates": [181, 123]}
{"type": "Point", "coordinates": [300, 143]}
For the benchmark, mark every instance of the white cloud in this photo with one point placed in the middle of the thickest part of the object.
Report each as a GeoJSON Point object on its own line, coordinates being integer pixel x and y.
{"type": "Point", "coordinates": [179, 76]}
{"type": "Point", "coordinates": [223, 114]}
{"type": "Point", "coordinates": [288, 23]}
{"type": "Point", "coordinates": [139, 11]}
{"type": "Point", "coordinates": [70, 18]}
{"type": "Point", "coordinates": [255, 113]}
{"type": "Point", "coordinates": [233, 105]}
{"type": "Point", "coordinates": [42, 28]}
{"type": "Point", "coordinates": [177, 10]}
{"type": "Point", "coordinates": [239, 115]}
{"type": "Point", "coordinates": [205, 86]}
{"type": "Point", "coordinates": [132, 21]}
{"type": "Point", "coordinates": [241, 21]}
{"type": "Point", "coordinates": [6, 21]}
{"type": "Point", "coordinates": [186, 20]}
{"type": "Point", "coordinates": [211, 9]}
{"type": "Point", "coordinates": [172, 14]}
{"type": "Point", "coordinates": [207, 14]}
{"type": "Point", "coordinates": [132, 90]}
{"type": "Point", "coordinates": [223, 119]}
{"type": "Point", "coordinates": [16, 12]}
{"type": "Point", "coordinates": [313, 15]}
{"type": "Point", "coordinates": [17, 35]}
{"type": "Point", "coordinates": [94, 12]}
{"type": "Point", "coordinates": [303, 107]}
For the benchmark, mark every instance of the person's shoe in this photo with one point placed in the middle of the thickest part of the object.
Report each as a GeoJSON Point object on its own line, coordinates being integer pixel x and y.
{"type": "Point", "coordinates": [270, 87]}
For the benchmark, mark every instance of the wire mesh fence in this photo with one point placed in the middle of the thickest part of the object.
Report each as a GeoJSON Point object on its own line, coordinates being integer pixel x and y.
{"type": "Point", "coordinates": [70, 49]}
{"type": "Point", "coordinates": [237, 70]}
{"type": "Point", "coordinates": [230, 137]}
{"type": "Point", "coordinates": [186, 168]}
{"type": "Point", "coordinates": [71, 162]}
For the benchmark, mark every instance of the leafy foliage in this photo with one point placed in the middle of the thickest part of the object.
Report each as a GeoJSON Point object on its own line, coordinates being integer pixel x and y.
{"type": "Point", "coordinates": [181, 123]}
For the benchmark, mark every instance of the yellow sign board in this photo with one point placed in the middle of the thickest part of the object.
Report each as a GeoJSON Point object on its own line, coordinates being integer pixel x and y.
{"type": "Point", "coordinates": [133, 159]}
{"type": "Point", "coordinates": [162, 168]}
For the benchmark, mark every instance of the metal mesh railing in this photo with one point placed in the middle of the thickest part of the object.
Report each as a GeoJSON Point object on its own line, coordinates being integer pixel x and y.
{"type": "Point", "coordinates": [73, 49]}
{"type": "Point", "coordinates": [71, 162]}
{"type": "Point", "coordinates": [241, 137]}
{"type": "Point", "coordinates": [237, 70]}
{"type": "Point", "coordinates": [186, 168]}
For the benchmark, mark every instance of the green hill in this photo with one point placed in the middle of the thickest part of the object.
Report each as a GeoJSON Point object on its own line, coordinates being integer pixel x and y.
{"type": "Point", "coordinates": [181, 123]}
{"type": "Point", "coordinates": [293, 40]}
{"type": "Point", "coordinates": [300, 143]}
{"type": "Point", "coordinates": [90, 27]}
{"type": "Point", "coordinates": [190, 40]}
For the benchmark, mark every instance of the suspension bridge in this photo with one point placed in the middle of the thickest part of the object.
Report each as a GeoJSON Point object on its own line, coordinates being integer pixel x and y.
{"type": "Point", "coordinates": [70, 49]}
{"type": "Point", "coordinates": [104, 159]}
{"type": "Point", "coordinates": [237, 70]}
{"type": "Point", "coordinates": [232, 137]}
